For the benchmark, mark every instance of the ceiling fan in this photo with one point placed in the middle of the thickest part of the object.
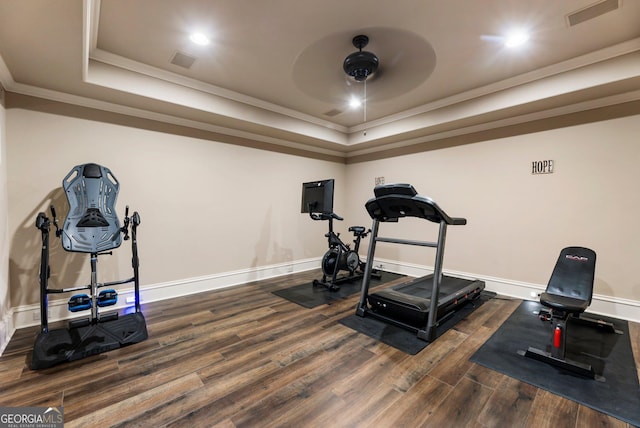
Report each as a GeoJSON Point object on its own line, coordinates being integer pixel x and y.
{"type": "Point", "coordinates": [361, 64]}
{"type": "Point", "coordinates": [398, 61]}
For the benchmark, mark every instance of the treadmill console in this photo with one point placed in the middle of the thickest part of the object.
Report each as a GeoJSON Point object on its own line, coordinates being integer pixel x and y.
{"type": "Point", "coordinates": [395, 189]}
{"type": "Point", "coordinates": [394, 201]}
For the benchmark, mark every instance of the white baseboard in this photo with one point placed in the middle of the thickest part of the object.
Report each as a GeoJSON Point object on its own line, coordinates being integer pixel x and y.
{"type": "Point", "coordinates": [29, 315]}
{"type": "Point", "coordinates": [6, 330]}
{"type": "Point", "coordinates": [603, 305]}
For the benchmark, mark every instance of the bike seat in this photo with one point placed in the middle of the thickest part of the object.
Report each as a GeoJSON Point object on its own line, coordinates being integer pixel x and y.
{"type": "Point", "coordinates": [357, 230]}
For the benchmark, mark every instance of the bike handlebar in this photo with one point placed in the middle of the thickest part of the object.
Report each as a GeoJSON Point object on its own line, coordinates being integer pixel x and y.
{"type": "Point", "coordinates": [324, 216]}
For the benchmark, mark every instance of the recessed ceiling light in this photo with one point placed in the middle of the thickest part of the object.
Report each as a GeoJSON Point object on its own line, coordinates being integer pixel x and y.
{"type": "Point", "coordinates": [199, 39]}
{"type": "Point", "coordinates": [355, 102]}
{"type": "Point", "coordinates": [516, 38]}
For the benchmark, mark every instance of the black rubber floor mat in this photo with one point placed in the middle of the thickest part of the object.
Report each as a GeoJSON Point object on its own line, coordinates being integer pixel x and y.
{"type": "Point", "coordinates": [309, 296]}
{"type": "Point", "coordinates": [69, 344]}
{"type": "Point", "coordinates": [405, 340]}
{"type": "Point", "coordinates": [610, 355]}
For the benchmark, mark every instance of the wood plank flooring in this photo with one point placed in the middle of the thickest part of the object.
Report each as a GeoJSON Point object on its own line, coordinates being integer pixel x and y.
{"type": "Point", "coordinates": [243, 357]}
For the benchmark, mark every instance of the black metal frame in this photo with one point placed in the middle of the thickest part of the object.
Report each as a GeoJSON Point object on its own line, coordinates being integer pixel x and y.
{"type": "Point", "coordinates": [43, 223]}
{"type": "Point", "coordinates": [557, 355]}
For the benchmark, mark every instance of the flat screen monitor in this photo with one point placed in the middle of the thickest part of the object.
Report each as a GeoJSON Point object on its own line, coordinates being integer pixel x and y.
{"type": "Point", "coordinates": [317, 196]}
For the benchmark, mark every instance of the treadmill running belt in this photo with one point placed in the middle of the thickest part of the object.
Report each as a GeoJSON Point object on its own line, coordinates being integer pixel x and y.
{"type": "Point", "coordinates": [410, 302]}
{"type": "Point", "coordinates": [422, 287]}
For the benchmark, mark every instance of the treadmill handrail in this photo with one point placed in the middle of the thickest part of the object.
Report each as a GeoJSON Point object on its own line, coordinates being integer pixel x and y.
{"type": "Point", "coordinates": [390, 207]}
{"type": "Point", "coordinates": [407, 242]}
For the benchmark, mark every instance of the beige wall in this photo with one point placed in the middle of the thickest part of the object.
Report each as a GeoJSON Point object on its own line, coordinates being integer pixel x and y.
{"type": "Point", "coordinates": [518, 222]}
{"type": "Point", "coordinates": [206, 207]}
{"type": "Point", "coordinates": [209, 207]}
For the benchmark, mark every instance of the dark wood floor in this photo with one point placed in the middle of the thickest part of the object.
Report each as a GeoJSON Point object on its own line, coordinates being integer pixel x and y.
{"type": "Point", "coordinates": [245, 357]}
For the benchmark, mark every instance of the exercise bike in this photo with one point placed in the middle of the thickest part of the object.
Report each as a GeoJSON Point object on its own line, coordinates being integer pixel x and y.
{"type": "Point", "coordinates": [340, 257]}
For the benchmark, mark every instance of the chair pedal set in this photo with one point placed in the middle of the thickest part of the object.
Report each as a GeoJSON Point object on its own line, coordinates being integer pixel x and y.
{"type": "Point", "coordinates": [91, 226]}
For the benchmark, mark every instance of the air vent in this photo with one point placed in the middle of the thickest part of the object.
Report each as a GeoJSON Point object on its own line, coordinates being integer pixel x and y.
{"type": "Point", "coordinates": [592, 11]}
{"type": "Point", "coordinates": [333, 112]}
{"type": "Point", "coordinates": [183, 60]}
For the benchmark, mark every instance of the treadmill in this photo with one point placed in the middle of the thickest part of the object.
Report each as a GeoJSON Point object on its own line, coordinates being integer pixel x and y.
{"type": "Point", "coordinates": [421, 304]}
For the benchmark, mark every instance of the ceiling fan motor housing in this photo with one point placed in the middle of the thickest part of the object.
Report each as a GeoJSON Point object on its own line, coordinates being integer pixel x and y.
{"type": "Point", "coordinates": [361, 64]}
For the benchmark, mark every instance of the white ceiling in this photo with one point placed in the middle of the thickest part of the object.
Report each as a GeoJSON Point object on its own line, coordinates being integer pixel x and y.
{"type": "Point", "coordinates": [273, 71]}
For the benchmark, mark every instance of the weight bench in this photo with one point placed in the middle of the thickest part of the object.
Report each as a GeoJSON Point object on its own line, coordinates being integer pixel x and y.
{"type": "Point", "coordinates": [567, 296]}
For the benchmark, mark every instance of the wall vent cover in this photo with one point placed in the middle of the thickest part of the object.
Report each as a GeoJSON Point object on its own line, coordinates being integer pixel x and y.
{"type": "Point", "coordinates": [333, 112]}
{"type": "Point", "coordinates": [592, 11]}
